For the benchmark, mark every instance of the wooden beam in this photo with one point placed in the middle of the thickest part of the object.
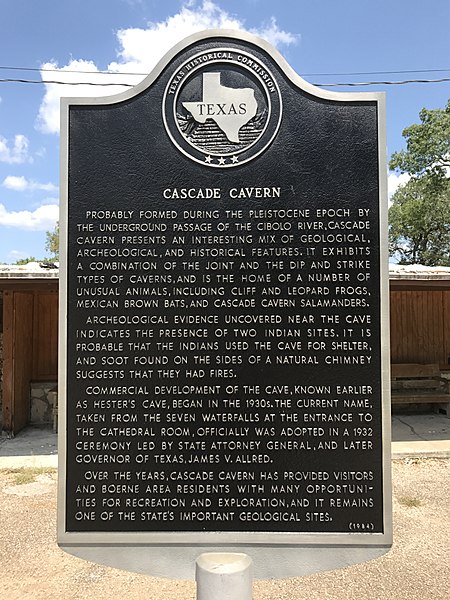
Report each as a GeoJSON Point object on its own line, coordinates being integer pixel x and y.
{"type": "Point", "coordinates": [8, 352]}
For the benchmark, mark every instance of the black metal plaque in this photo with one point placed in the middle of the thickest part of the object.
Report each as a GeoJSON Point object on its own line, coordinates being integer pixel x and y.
{"type": "Point", "coordinates": [224, 343]}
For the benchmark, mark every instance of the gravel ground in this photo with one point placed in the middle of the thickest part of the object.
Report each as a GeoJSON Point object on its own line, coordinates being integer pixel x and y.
{"type": "Point", "coordinates": [417, 567]}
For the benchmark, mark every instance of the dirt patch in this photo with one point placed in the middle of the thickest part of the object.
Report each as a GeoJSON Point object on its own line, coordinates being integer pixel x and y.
{"type": "Point", "coordinates": [33, 567]}
{"type": "Point", "coordinates": [30, 483]}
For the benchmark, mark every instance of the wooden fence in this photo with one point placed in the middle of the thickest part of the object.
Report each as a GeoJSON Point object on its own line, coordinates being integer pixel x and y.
{"type": "Point", "coordinates": [420, 326]}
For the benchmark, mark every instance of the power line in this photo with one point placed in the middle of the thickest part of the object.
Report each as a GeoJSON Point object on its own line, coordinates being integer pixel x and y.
{"type": "Point", "coordinates": [348, 73]}
{"type": "Point", "coordinates": [4, 68]}
{"type": "Point", "coordinates": [63, 82]}
{"type": "Point", "coordinates": [365, 83]}
{"type": "Point", "coordinates": [123, 84]}
{"type": "Point", "coordinates": [377, 72]}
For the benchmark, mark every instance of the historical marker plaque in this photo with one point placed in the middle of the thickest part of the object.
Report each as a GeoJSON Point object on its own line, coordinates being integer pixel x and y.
{"type": "Point", "coordinates": [224, 352]}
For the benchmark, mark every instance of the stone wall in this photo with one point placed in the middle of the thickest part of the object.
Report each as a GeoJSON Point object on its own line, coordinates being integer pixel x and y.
{"type": "Point", "coordinates": [42, 399]}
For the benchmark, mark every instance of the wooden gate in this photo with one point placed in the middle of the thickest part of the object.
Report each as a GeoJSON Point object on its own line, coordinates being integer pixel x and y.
{"type": "Point", "coordinates": [30, 350]}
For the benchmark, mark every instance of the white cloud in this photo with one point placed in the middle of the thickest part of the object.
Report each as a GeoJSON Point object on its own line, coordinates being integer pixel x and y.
{"type": "Point", "coordinates": [141, 50]}
{"type": "Point", "coordinates": [48, 117]}
{"type": "Point", "coordinates": [43, 218]}
{"type": "Point", "coordinates": [15, 255]}
{"type": "Point", "coordinates": [15, 153]}
{"type": "Point", "coordinates": [274, 35]}
{"type": "Point", "coordinates": [21, 184]}
{"type": "Point", "coordinates": [395, 181]}
{"type": "Point", "coordinates": [161, 37]}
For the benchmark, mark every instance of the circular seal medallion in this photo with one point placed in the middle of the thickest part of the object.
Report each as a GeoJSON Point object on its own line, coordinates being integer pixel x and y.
{"type": "Point", "coordinates": [222, 108]}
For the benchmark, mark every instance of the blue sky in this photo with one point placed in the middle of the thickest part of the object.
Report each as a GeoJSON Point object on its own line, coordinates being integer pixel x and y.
{"type": "Point", "coordinates": [324, 41]}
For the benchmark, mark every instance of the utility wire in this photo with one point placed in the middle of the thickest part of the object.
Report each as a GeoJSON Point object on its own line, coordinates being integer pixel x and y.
{"type": "Point", "coordinates": [406, 81]}
{"type": "Point", "coordinates": [8, 68]}
{"type": "Point", "coordinates": [123, 84]}
{"type": "Point", "coordinates": [45, 81]}
{"type": "Point", "coordinates": [349, 84]}
{"type": "Point", "coordinates": [4, 68]}
{"type": "Point", "coordinates": [378, 72]}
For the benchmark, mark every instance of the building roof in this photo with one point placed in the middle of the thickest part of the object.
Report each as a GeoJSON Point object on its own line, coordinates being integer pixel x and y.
{"type": "Point", "coordinates": [50, 270]}
{"type": "Point", "coordinates": [32, 270]}
{"type": "Point", "coordinates": [418, 272]}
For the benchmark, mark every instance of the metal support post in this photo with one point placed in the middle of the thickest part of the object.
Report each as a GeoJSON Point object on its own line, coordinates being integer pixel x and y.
{"type": "Point", "coordinates": [224, 576]}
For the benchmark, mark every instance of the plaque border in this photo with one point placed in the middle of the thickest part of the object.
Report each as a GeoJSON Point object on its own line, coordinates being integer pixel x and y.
{"type": "Point", "coordinates": [364, 545]}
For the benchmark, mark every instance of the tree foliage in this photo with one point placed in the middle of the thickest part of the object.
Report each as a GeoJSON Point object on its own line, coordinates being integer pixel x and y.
{"type": "Point", "coordinates": [419, 222]}
{"type": "Point", "coordinates": [427, 145]}
{"type": "Point", "coordinates": [419, 218]}
{"type": "Point", "coordinates": [25, 261]}
{"type": "Point", "coordinates": [52, 242]}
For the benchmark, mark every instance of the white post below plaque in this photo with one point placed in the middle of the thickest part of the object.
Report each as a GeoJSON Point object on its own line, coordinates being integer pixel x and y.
{"type": "Point", "coordinates": [224, 576]}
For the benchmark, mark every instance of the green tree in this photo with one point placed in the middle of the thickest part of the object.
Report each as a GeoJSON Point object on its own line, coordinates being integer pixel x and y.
{"type": "Point", "coordinates": [25, 261]}
{"type": "Point", "coordinates": [52, 242]}
{"type": "Point", "coordinates": [427, 145]}
{"type": "Point", "coordinates": [419, 218]}
{"type": "Point", "coordinates": [419, 222]}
